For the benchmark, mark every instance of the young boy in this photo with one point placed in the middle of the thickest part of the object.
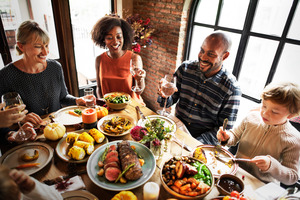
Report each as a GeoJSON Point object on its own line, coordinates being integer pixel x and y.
{"type": "Point", "coordinates": [267, 137]}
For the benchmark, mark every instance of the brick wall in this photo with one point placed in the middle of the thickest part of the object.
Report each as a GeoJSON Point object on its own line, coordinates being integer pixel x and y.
{"type": "Point", "coordinates": [169, 18]}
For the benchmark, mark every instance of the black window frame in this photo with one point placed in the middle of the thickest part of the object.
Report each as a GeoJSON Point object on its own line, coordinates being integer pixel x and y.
{"type": "Point", "coordinates": [245, 33]}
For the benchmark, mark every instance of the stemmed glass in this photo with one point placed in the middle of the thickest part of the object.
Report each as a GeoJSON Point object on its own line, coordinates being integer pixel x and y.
{"type": "Point", "coordinates": [134, 71]}
{"type": "Point", "coordinates": [13, 99]}
{"type": "Point", "coordinates": [168, 87]}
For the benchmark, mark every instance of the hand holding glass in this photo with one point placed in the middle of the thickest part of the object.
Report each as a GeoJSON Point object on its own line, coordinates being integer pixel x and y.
{"type": "Point", "coordinates": [136, 71]}
{"type": "Point", "coordinates": [13, 99]}
{"type": "Point", "coordinates": [89, 97]}
{"type": "Point", "coordinates": [168, 87]}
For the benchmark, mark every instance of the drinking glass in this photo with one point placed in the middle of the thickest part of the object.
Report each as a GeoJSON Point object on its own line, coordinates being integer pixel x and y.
{"type": "Point", "coordinates": [134, 71]}
{"type": "Point", "coordinates": [89, 97]}
{"type": "Point", "coordinates": [168, 87]}
{"type": "Point", "coordinates": [13, 99]}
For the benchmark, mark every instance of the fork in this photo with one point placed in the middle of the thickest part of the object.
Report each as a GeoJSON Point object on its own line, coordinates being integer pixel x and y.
{"type": "Point", "coordinates": [218, 147]}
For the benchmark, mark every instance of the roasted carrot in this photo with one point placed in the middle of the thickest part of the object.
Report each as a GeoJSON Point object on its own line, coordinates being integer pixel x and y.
{"type": "Point", "coordinates": [71, 112]}
{"type": "Point", "coordinates": [185, 187]}
{"type": "Point", "coordinates": [27, 165]}
{"type": "Point", "coordinates": [178, 183]}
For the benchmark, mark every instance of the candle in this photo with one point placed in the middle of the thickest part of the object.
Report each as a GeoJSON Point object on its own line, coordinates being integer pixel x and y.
{"type": "Point", "coordinates": [151, 191]}
{"type": "Point", "coordinates": [89, 118]}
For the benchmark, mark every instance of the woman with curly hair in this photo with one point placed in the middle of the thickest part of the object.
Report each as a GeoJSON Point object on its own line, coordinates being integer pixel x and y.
{"type": "Point", "coordinates": [113, 66]}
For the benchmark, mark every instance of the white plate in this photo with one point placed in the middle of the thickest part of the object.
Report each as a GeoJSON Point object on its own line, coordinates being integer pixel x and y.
{"type": "Point", "coordinates": [148, 168]}
{"type": "Point", "coordinates": [109, 117]}
{"type": "Point", "coordinates": [168, 122]}
{"type": "Point", "coordinates": [78, 195]}
{"type": "Point", "coordinates": [12, 158]}
{"type": "Point", "coordinates": [63, 147]}
{"type": "Point", "coordinates": [62, 116]}
{"type": "Point", "coordinates": [216, 166]}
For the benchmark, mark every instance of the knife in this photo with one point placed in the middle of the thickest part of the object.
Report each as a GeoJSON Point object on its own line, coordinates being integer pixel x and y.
{"type": "Point", "coordinates": [140, 112]}
{"type": "Point", "coordinates": [186, 147]}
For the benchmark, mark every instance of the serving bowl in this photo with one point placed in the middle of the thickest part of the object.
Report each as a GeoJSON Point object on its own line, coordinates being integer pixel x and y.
{"type": "Point", "coordinates": [117, 105]}
{"type": "Point", "coordinates": [228, 183]}
{"type": "Point", "coordinates": [173, 168]}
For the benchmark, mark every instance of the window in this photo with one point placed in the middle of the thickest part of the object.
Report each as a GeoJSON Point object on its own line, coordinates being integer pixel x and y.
{"type": "Point", "coordinates": [69, 24]}
{"type": "Point", "coordinates": [265, 36]}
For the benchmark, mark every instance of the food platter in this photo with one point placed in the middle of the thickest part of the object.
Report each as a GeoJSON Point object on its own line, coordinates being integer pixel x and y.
{"type": "Point", "coordinates": [109, 117]}
{"type": "Point", "coordinates": [63, 147]}
{"type": "Point", "coordinates": [62, 116]}
{"type": "Point", "coordinates": [217, 166]}
{"type": "Point", "coordinates": [148, 168]}
{"type": "Point", "coordinates": [168, 122]}
{"type": "Point", "coordinates": [12, 158]}
{"type": "Point", "coordinates": [78, 195]}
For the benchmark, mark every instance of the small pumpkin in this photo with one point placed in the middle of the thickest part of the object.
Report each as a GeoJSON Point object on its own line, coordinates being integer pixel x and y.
{"type": "Point", "coordinates": [54, 131]}
{"type": "Point", "coordinates": [125, 195]}
{"type": "Point", "coordinates": [101, 112]}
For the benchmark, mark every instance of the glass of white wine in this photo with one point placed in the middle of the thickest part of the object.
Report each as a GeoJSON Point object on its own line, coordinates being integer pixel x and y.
{"type": "Point", "coordinates": [13, 99]}
{"type": "Point", "coordinates": [134, 70]}
{"type": "Point", "coordinates": [168, 87]}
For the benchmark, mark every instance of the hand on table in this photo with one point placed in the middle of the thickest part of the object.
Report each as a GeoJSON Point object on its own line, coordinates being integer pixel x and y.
{"type": "Point", "coordinates": [12, 115]}
{"type": "Point", "coordinates": [262, 162]}
{"type": "Point", "coordinates": [14, 136]}
{"type": "Point", "coordinates": [25, 182]}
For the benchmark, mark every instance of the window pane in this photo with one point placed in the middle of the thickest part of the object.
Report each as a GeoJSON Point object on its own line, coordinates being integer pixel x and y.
{"type": "Point", "coordinates": [256, 65]}
{"type": "Point", "coordinates": [287, 69]}
{"type": "Point", "coordinates": [270, 16]}
{"type": "Point", "coordinates": [84, 15]}
{"type": "Point", "coordinates": [14, 12]}
{"type": "Point", "coordinates": [233, 18]}
{"type": "Point", "coordinates": [207, 11]}
{"type": "Point", "coordinates": [199, 34]}
{"type": "Point", "coordinates": [294, 31]}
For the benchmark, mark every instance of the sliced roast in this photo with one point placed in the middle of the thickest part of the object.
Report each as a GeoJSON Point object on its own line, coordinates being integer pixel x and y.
{"type": "Point", "coordinates": [112, 173]}
{"type": "Point", "coordinates": [112, 164]}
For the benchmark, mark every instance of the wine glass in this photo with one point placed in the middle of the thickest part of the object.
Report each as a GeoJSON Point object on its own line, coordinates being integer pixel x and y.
{"type": "Point", "coordinates": [134, 70]}
{"type": "Point", "coordinates": [13, 99]}
{"type": "Point", "coordinates": [168, 87]}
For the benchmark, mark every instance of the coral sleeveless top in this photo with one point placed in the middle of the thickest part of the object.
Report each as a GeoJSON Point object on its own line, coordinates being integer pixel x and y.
{"type": "Point", "coordinates": [115, 75]}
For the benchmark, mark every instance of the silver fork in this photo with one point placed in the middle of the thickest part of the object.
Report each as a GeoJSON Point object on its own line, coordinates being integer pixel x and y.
{"type": "Point", "coordinates": [218, 147]}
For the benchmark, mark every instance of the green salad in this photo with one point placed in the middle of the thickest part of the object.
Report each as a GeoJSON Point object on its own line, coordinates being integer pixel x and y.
{"type": "Point", "coordinates": [117, 99]}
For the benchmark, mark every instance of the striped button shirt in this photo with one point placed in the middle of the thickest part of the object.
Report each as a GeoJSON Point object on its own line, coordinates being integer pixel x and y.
{"type": "Point", "coordinates": [203, 103]}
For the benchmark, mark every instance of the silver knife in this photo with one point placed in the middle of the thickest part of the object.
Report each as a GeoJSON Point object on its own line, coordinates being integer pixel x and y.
{"type": "Point", "coordinates": [141, 114]}
{"type": "Point", "coordinates": [186, 147]}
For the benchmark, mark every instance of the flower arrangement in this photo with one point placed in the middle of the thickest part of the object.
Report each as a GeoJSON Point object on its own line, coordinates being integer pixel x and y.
{"type": "Point", "coordinates": [153, 134]}
{"type": "Point", "coordinates": [142, 32]}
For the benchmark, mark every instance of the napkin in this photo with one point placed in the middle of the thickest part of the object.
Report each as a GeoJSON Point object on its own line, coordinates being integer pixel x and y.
{"type": "Point", "coordinates": [270, 191]}
{"type": "Point", "coordinates": [74, 183]}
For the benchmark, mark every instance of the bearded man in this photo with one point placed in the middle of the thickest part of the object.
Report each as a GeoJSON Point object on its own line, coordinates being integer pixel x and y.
{"type": "Point", "coordinates": [207, 93]}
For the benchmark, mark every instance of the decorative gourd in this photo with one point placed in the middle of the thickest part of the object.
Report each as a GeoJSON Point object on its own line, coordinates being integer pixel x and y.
{"type": "Point", "coordinates": [101, 112]}
{"type": "Point", "coordinates": [54, 131]}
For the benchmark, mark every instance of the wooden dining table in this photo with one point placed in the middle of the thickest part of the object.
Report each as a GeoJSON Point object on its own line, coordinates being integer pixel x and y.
{"type": "Point", "coordinates": [58, 167]}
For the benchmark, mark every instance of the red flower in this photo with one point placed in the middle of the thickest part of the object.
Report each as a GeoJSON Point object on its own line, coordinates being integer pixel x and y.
{"type": "Point", "coordinates": [156, 142]}
{"type": "Point", "coordinates": [147, 21]}
{"type": "Point", "coordinates": [136, 47]}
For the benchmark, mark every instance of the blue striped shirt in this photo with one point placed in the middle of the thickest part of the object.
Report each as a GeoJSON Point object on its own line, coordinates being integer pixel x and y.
{"type": "Point", "coordinates": [203, 103]}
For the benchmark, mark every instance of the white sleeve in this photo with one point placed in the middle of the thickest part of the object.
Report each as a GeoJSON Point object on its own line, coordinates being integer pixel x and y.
{"type": "Point", "coordinates": [43, 192]}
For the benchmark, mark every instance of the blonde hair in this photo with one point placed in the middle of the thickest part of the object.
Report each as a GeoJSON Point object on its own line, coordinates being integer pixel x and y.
{"type": "Point", "coordinates": [30, 31]}
{"type": "Point", "coordinates": [286, 94]}
{"type": "Point", "coordinates": [8, 188]}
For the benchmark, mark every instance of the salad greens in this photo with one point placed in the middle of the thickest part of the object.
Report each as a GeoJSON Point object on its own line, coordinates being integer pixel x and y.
{"type": "Point", "coordinates": [117, 99]}
{"type": "Point", "coordinates": [203, 173]}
